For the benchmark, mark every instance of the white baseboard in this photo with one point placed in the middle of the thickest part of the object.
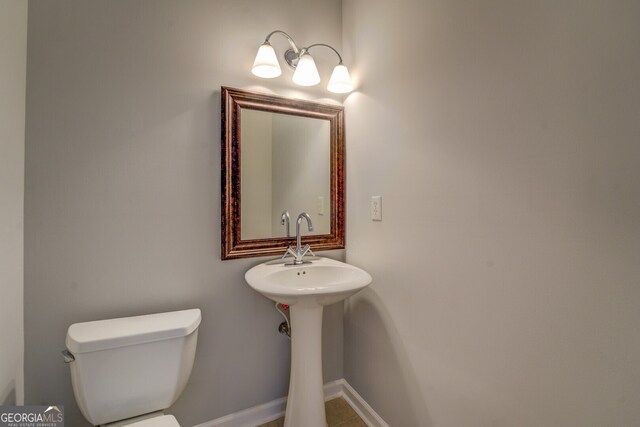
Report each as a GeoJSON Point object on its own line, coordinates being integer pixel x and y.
{"type": "Point", "coordinates": [273, 410]}
{"type": "Point", "coordinates": [362, 408]}
{"type": "Point", "coordinates": [251, 417]}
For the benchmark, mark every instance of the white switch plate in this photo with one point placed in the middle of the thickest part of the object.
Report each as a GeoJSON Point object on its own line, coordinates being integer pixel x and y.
{"type": "Point", "coordinates": [320, 205]}
{"type": "Point", "coordinates": [376, 208]}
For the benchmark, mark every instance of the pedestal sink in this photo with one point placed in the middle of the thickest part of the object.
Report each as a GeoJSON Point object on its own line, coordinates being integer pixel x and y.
{"type": "Point", "coordinates": [307, 288]}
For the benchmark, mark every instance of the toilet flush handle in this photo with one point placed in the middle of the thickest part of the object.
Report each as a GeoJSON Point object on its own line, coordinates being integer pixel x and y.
{"type": "Point", "coordinates": [68, 356]}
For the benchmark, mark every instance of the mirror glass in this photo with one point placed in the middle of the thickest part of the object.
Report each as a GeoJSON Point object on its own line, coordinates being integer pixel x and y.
{"type": "Point", "coordinates": [285, 167]}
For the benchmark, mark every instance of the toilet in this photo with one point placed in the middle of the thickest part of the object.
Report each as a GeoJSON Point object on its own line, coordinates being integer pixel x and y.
{"type": "Point", "coordinates": [127, 371]}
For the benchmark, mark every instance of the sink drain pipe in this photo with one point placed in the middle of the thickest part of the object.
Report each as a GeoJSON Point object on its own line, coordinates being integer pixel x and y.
{"type": "Point", "coordinates": [284, 327]}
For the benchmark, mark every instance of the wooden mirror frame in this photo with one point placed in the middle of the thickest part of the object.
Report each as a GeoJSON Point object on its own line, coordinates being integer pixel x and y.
{"type": "Point", "coordinates": [232, 244]}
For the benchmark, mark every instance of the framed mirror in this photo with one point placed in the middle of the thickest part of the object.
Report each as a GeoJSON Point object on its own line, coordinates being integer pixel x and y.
{"type": "Point", "coordinates": [280, 155]}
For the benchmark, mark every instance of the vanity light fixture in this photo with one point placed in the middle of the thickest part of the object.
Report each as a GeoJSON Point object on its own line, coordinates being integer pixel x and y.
{"type": "Point", "coordinates": [266, 65]}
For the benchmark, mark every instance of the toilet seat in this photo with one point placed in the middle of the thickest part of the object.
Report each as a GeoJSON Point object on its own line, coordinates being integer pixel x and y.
{"type": "Point", "coordinates": [162, 421]}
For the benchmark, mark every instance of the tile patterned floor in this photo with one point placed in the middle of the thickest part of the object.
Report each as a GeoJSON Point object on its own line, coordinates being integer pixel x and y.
{"type": "Point", "coordinates": [339, 414]}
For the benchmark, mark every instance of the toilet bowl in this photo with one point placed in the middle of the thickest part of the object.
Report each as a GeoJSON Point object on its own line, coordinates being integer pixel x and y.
{"type": "Point", "coordinates": [152, 420]}
{"type": "Point", "coordinates": [155, 420]}
{"type": "Point", "coordinates": [127, 371]}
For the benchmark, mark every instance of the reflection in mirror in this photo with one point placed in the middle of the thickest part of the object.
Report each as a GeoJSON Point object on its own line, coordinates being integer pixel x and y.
{"type": "Point", "coordinates": [285, 166]}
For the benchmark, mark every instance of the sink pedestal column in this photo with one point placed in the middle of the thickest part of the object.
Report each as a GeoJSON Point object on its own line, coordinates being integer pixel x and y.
{"type": "Point", "coordinates": [305, 404]}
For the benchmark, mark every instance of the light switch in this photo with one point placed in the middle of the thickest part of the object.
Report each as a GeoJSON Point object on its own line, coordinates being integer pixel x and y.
{"type": "Point", "coordinates": [376, 208]}
{"type": "Point", "coordinates": [320, 205]}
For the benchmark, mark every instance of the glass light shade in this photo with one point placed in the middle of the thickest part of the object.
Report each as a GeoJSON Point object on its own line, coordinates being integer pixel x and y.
{"type": "Point", "coordinates": [340, 81]}
{"type": "Point", "coordinates": [306, 72]}
{"type": "Point", "coordinates": [266, 64]}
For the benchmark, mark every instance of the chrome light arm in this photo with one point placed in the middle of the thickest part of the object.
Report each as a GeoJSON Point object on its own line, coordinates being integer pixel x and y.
{"type": "Point", "coordinates": [305, 49]}
{"type": "Point", "coordinates": [292, 55]}
{"type": "Point", "coordinates": [291, 42]}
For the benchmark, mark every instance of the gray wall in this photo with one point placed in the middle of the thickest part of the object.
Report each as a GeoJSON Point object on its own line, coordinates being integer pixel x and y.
{"type": "Point", "coordinates": [504, 137]}
{"type": "Point", "coordinates": [122, 210]}
{"type": "Point", "coordinates": [13, 69]}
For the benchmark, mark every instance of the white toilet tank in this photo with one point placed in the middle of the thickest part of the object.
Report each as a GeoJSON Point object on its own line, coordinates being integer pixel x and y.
{"type": "Point", "coordinates": [133, 365]}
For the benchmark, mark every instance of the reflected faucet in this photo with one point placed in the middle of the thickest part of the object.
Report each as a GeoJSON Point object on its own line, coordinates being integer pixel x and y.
{"type": "Point", "coordinates": [285, 218]}
{"type": "Point", "coordinates": [299, 252]}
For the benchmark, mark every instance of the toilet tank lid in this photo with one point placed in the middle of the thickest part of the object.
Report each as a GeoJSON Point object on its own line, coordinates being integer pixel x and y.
{"type": "Point", "coordinates": [113, 333]}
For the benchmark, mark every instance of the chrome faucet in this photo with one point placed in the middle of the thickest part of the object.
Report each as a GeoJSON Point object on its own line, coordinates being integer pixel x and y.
{"type": "Point", "coordinates": [285, 218]}
{"type": "Point", "coordinates": [299, 252]}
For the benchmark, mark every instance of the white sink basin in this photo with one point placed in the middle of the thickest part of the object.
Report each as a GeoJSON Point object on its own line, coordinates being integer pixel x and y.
{"type": "Point", "coordinates": [307, 288]}
{"type": "Point", "coordinates": [322, 282]}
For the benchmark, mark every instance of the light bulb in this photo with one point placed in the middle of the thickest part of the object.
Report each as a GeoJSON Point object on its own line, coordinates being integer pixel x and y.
{"type": "Point", "coordinates": [306, 73]}
{"type": "Point", "coordinates": [266, 64]}
{"type": "Point", "coordinates": [340, 81]}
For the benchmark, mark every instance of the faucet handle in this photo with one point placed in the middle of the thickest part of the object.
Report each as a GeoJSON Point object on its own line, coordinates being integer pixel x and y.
{"type": "Point", "coordinates": [290, 252]}
{"type": "Point", "coordinates": [307, 249]}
